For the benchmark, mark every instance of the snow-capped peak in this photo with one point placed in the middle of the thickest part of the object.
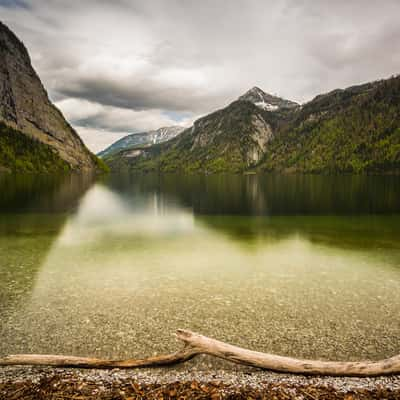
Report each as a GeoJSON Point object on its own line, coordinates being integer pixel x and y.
{"type": "Point", "coordinates": [266, 101]}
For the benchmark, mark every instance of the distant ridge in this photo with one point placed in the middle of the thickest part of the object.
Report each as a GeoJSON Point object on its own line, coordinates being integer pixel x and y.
{"type": "Point", "coordinates": [143, 139]}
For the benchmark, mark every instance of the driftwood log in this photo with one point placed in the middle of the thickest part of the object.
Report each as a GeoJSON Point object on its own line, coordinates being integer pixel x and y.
{"type": "Point", "coordinates": [195, 344]}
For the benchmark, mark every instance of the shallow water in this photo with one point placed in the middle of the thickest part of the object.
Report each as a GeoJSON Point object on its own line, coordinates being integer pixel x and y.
{"type": "Point", "coordinates": [305, 266]}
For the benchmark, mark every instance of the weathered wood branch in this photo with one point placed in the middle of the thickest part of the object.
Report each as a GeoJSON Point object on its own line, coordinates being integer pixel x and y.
{"type": "Point", "coordinates": [195, 344]}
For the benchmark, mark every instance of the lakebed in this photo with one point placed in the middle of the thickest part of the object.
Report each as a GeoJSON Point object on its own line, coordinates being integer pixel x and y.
{"type": "Point", "coordinates": [304, 266]}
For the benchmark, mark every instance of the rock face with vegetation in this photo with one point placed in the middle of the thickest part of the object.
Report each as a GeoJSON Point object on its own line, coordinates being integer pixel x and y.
{"type": "Point", "coordinates": [356, 130]}
{"type": "Point", "coordinates": [38, 129]}
{"type": "Point", "coordinates": [20, 153]}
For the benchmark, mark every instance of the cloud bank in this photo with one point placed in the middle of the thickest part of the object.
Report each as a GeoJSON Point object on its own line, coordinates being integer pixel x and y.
{"type": "Point", "coordinates": [126, 66]}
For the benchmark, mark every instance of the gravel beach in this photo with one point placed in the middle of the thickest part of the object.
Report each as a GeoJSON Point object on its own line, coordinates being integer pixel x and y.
{"type": "Point", "coordinates": [171, 383]}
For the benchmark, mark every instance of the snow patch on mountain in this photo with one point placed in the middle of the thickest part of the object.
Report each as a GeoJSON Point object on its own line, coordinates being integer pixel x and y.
{"type": "Point", "coordinates": [266, 106]}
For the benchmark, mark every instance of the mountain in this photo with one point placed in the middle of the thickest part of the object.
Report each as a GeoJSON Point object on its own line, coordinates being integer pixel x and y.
{"type": "Point", "coordinates": [267, 101]}
{"type": "Point", "coordinates": [232, 139]}
{"type": "Point", "coordinates": [33, 132]}
{"type": "Point", "coordinates": [142, 139]}
{"type": "Point", "coordinates": [355, 130]}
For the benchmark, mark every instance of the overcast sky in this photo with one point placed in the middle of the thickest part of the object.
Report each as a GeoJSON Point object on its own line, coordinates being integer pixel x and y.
{"type": "Point", "coordinates": [123, 66]}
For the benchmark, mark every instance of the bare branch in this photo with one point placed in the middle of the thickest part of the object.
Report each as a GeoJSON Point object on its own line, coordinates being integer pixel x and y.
{"type": "Point", "coordinates": [196, 344]}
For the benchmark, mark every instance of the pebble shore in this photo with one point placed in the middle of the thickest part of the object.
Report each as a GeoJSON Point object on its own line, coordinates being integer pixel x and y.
{"type": "Point", "coordinates": [170, 383]}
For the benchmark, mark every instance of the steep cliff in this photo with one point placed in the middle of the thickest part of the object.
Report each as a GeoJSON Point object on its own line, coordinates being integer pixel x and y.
{"type": "Point", "coordinates": [25, 106]}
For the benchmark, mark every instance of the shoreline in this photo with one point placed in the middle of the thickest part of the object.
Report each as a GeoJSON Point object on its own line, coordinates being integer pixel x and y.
{"type": "Point", "coordinates": [170, 383]}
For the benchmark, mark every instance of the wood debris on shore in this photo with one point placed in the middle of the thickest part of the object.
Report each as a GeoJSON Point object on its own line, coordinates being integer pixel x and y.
{"type": "Point", "coordinates": [30, 383]}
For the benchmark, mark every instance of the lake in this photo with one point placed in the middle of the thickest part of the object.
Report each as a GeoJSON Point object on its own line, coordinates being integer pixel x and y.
{"type": "Point", "coordinates": [305, 266]}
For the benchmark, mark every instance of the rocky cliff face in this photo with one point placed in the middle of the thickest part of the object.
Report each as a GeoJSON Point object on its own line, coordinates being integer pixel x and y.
{"type": "Point", "coordinates": [240, 128]}
{"type": "Point", "coordinates": [25, 106]}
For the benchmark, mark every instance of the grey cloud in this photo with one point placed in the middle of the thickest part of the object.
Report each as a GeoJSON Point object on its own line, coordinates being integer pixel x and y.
{"type": "Point", "coordinates": [13, 3]}
{"type": "Point", "coordinates": [144, 95]}
{"type": "Point", "coordinates": [365, 50]}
